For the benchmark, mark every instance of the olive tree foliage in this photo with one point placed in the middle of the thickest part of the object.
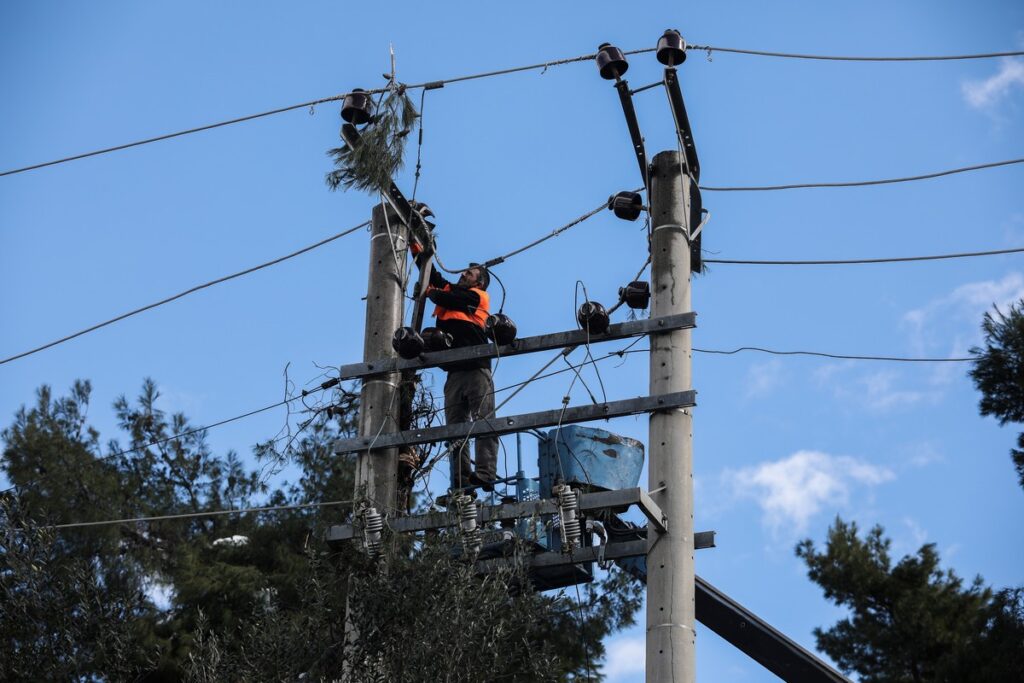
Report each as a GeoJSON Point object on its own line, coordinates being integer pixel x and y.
{"type": "Point", "coordinates": [998, 373]}
{"type": "Point", "coordinates": [249, 597]}
{"type": "Point", "coordinates": [912, 621]}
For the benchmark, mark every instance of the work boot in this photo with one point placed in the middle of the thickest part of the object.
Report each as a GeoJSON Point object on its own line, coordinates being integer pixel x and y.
{"type": "Point", "coordinates": [486, 484]}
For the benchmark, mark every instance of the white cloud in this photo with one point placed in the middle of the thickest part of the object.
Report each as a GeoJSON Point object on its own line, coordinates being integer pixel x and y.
{"type": "Point", "coordinates": [923, 454]}
{"type": "Point", "coordinates": [762, 378]}
{"type": "Point", "coordinates": [987, 93]}
{"type": "Point", "coordinates": [626, 655]}
{"type": "Point", "coordinates": [793, 490]}
{"type": "Point", "coordinates": [964, 306]}
{"type": "Point", "coordinates": [880, 394]}
{"type": "Point", "coordinates": [877, 391]}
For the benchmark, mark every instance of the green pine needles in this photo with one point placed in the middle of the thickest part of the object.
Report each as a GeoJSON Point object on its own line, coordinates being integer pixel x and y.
{"type": "Point", "coordinates": [372, 165]}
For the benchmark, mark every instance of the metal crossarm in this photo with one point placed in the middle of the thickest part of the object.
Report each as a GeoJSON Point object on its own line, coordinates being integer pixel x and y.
{"type": "Point", "coordinates": [610, 551]}
{"type": "Point", "coordinates": [494, 513]}
{"type": "Point", "coordinates": [498, 426]}
{"type": "Point", "coordinates": [543, 342]}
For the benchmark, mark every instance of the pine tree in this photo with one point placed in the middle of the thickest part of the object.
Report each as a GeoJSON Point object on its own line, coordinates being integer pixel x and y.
{"type": "Point", "coordinates": [270, 607]}
{"type": "Point", "coordinates": [912, 621]}
{"type": "Point", "coordinates": [999, 373]}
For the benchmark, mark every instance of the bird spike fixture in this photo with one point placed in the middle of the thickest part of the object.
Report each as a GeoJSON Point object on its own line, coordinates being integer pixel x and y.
{"type": "Point", "coordinates": [626, 205]}
{"type": "Point", "coordinates": [636, 294]}
{"type": "Point", "coordinates": [671, 48]}
{"type": "Point", "coordinates": [593, 317]}
{"type": "Point", "coordinates": [611, 62]}
{"type": "Point", "coordinates": [357, 108]}
{"type": "Point", "coordinates": [500, 328]}
{"type": "Point", "coordinates": [407, 343]}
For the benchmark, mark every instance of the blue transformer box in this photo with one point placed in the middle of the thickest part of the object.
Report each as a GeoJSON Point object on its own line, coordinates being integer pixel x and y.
{"type": "Point", "coordinates": [589, 458]}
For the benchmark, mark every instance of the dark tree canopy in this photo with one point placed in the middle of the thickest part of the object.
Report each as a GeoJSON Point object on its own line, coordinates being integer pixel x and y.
{"type": "Point", "coordinates": [999, 372]}
{"type": "Point", "coordinates": [254, 597]}
{"type": "Point", "coordinates": [912, 621]}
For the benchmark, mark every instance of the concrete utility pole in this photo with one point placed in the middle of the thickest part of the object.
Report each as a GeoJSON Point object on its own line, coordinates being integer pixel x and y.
{"type": "Point", "coordinates": [671, 639]}
{"type": "Point", "coordinates": [376, 473]}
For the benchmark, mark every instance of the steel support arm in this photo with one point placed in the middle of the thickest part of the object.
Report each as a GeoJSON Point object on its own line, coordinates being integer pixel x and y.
{"type": "Point", "coordinates": [757, 639]}
{"type": "Point", "coordinates": [626, 98]}
{"type": "Point", "coordinates": [543, 342]}
{"type": "Point", "coordinates": [682, 121]}
{"type": "Point", "coordinates": [517, 423]}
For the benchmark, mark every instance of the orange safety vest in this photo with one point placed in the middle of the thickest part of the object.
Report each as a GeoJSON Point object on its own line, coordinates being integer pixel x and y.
{"type": "Point", "coordinates": [478, 316]}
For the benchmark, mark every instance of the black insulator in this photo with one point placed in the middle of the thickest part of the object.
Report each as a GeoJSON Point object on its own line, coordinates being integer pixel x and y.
{"type": "Point", "coordinates": [500, 328]}
{"type": "Point", "coordinates": [357, 107]}
{"type": "Point", "coordinates": [636, 294]}
{"type": "Point", "coordinates": [611, 62]}
{"type": "Point", "coordinates": [421, 208]}
{"type": "Point", "coordinates": [593, 317]}
{"type": "Point", "coordinates": [671, 48]}
{"type": "Point", "coordinates": [626, 205]}
{"type": "Point", "coordinates": [407, 343]}
{"type": "Point", "coordinates": [436, 339]}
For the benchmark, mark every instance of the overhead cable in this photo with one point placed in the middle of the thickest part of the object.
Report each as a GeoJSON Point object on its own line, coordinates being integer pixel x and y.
{"type": "Point", "coordinates": [838, 356]}
{"type": "Point", "coordinates": [837, 58]}
{"type": "Point", "coordinates": [844, 262]}
{"type": "Point", "coordinates": [193, 515]}
{"type": "Point", "coordinates": [429, 85]}
{"type": "Point", "coordinates": [861, 183]}
{"type": "Point", "coordinates": [191, 290]}
{"type": "Point", "coordinates": [554, 233]}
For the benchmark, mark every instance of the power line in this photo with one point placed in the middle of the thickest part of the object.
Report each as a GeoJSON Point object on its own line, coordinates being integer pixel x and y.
{"type": "Point", "coordinates": [191, 290]}
{"type": "Point", "coordinates": [861, 183]}
{"type": "Point", "coordinates": [898, 359]}
{"type": "Point", "coordinates": [843, 262]}
{"type": "Point", "coordinates": [836, 58]}
{"type": "Point", "coordinates": [428, 85]}
{"type": "Point", "coordinates": [192, 515]}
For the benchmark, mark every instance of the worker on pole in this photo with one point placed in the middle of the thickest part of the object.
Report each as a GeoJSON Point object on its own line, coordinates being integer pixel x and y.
{"type": "Point", "coordinates": [461, 311]}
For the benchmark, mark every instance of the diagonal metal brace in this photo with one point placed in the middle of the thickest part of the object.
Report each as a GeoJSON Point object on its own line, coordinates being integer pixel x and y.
{"type": "Point", "coordinates": [543, 342]}
{"type": "Point", "coordinates": [498, 426]}
{"type": "Point", "coordinates": [682, 121]}
{"type": "Point", "coordinates": [626, 98]}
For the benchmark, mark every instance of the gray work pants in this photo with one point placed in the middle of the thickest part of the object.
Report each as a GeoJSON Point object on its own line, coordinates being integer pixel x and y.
{"type": "Point", "coordinates": [469, 396]}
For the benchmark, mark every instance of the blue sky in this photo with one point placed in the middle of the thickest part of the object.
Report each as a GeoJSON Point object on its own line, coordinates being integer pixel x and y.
{"type": "Point", "coordinates": [782, 444]}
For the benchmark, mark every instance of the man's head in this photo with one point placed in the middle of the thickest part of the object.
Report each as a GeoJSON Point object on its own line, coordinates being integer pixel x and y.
{"type": "Point", "coordinates": [475, 276]}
